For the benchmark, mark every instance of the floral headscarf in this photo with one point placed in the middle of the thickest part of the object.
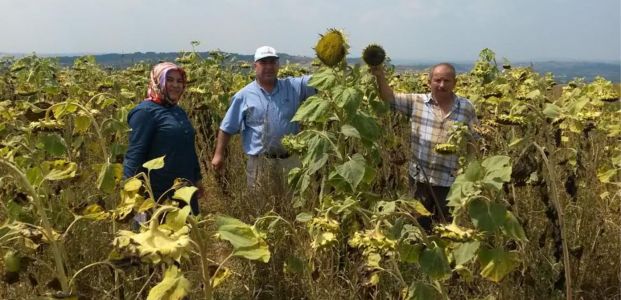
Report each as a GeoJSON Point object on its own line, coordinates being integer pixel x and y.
{"type": "Point", "coordinates": [157, 84]}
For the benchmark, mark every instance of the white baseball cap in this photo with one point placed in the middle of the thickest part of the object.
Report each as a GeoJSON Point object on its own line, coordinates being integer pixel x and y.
{"type": "Point", "coordinates": [263, 52]}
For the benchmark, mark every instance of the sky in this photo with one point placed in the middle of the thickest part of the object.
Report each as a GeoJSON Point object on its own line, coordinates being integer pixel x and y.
{"type": "Point", "coordinates": [427, 30]}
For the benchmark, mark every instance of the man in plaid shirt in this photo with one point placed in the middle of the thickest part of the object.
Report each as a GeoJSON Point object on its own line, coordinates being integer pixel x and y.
{"type": "Point", "coordinates": [433, 116]}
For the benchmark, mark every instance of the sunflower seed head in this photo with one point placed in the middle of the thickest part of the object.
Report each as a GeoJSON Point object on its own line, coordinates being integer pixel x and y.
{"type": "Point", "coordinates": [331, 47]}
{"type": "Point", "coordinates": [373, 55]}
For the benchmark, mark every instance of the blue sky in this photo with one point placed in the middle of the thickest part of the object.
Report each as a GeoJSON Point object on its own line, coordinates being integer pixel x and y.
{"type": "Point", "coordinates": [453, 30]}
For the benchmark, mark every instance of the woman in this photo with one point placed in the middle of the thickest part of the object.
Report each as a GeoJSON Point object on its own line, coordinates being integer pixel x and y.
{"type": "Point", "coordinates": [160, 127]}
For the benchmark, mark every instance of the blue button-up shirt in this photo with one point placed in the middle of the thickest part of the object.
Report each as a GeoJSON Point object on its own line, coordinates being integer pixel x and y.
{"type": "Point", "coordinates": [159, 130]}
{"type": "Point", "coordinates": [264, 118]}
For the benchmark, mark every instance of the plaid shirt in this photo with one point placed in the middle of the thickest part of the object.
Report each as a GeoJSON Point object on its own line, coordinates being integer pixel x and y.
{"type": "Point", "coordinates": [430, 128]}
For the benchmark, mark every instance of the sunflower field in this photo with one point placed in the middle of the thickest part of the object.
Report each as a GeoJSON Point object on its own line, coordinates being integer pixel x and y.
{"type": "Point", "coordinates": [536, 207]}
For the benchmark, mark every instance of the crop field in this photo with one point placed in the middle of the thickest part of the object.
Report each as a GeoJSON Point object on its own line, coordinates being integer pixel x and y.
{"type": "Point", "coordinates": [536, 207]}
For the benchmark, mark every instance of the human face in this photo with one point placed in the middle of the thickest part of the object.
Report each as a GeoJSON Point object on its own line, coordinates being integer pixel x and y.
{"type": "Point", "coordinates": [442, 83]}
{"type": "Point", "coordinates": [174, 85]}
{"type": "Point", "coordinates": [266, 69]}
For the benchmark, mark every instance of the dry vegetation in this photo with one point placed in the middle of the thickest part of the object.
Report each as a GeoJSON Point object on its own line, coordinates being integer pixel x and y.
{"type": "Point", "coordinates": [564, 190]}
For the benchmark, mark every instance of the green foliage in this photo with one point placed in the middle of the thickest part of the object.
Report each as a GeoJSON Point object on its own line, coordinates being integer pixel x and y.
{"type": "Point", "coordinates": [185, 193]}
{"type": "Point", "coordinates": [161, 243]}
{"type": "Point", "coordinates": [246, 240]}
{"type": "Point", "coordinates": [352, 171]}
{"type": "Point", "coordinates": [109, 174]}
{"type": "Point", "coordinates": [174, 286]}
{"type": "Point", "coordinates": [312, 110]}
{"type": "Point", "coordinates": [497, 263]}
{"type": "Point", "coordinates": [434, 263]}
{"type": "Point", "coordinates": [465, 252]}
{"type": "Point", "coordinates": [53, 144]}
{"type": "Point", "coordinates": [486, 217]}
{"type": "Point", "coordinates": [490, 174]}
{"type": "Point", "coordinates": [422, 291]}
{"type": "Point", "coordinates": [65, 131]}
{"type": "Point", "coordinates": [154, 164]}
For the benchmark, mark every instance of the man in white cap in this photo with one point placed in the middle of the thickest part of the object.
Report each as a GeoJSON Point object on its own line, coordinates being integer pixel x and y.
{"type": "Point", "coordinates": [262, 113]}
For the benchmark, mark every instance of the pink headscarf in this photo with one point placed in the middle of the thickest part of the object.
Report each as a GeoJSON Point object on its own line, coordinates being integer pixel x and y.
{"type": "Point", "coordinates": [157, 84]}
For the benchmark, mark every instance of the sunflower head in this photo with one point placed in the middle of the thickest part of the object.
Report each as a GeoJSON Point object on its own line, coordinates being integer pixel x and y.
{"type": "Point", "coordinates": [12, 261]}
{"type": "Point", "coordinates": [331, 47]}
{"type": "Point", "coordinates": [609, 99]}
{"type": "Point", "coordinates": [373, 55]}
{"type": "Point", "coordinates": [316, 62]}
{"type": "Point", "coordinates": [446, 148]}
{"type": "Point", "coordinates": [512, 120]}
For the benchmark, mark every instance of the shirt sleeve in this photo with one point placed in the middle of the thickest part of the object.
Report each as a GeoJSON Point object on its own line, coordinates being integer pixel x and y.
{"type": "Point", "coordinates": [306, 90]}
{"type": "Point", "coordinates": [142, 127]}
{"type": "Point", "coordinates": [403, 103]}
{"type": "Point", "coordinates": [473, 121]}
{"type": "Point", "coordinates": [234, 116]}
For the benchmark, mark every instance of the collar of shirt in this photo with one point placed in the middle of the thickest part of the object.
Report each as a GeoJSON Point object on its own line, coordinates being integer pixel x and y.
{"type": "Point", "coordinates": [429, 100]}
{"type": "Point", "coordinates": [274, 90]}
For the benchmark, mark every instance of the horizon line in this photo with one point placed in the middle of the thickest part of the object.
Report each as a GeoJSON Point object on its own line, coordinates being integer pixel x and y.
{"type": "Point", "coordinates": [409, 60]}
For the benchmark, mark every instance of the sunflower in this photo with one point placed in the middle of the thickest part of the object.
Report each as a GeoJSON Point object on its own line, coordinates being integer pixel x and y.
{"type": "Point", "coordinates": [331, 47]}
{"type": "Point", "coordinates": [446, 148]}
{"type": "Point", "coordinates": [373, 55]}
{"type": "Point", "coordinates": [512, 120]}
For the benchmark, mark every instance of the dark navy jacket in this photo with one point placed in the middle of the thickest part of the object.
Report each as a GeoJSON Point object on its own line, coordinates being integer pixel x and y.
{"type": "Point", "coordinates": [158, 130]}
